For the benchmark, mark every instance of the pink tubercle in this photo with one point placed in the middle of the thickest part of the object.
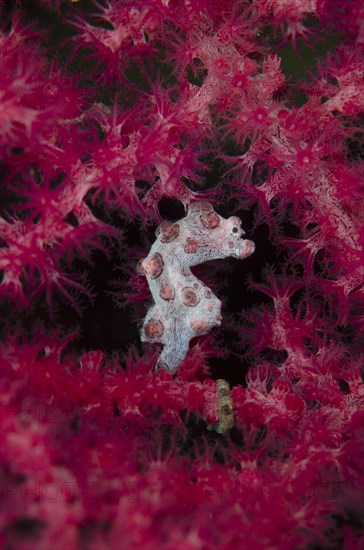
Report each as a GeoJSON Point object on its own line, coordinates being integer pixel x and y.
{"type": "Point", "coordinates": [167, 292]}
{"type": "Point", "coordinates": [199, 326]}
{"type": "Point", "coordinates": [246, 249]}
{"type": "Point", "coordinates": [153, 266]}
{"type": "Point", "coordinates": [154, 329]}
{"type": "Point", "coordinates": [189, 297]}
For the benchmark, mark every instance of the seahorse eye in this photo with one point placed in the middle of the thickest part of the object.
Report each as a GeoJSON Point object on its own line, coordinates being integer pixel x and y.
{"type": "Point", "coordinates": [235, 229]}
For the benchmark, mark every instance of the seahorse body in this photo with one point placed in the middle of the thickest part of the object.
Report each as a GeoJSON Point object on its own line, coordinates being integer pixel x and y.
{"type": "Point", "coordinates": [184, 306]}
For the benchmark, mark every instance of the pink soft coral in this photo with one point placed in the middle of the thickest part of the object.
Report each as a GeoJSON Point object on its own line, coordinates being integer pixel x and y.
{"type": "Point", "coordinates": [132, 112]}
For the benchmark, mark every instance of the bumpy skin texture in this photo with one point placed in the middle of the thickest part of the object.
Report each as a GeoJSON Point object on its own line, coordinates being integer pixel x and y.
{"type": "Point", "coordinates": [185, 307]}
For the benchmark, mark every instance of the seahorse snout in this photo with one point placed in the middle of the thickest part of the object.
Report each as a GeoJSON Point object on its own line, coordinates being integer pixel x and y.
{"type": "Point", "coordinates": [246, 248]}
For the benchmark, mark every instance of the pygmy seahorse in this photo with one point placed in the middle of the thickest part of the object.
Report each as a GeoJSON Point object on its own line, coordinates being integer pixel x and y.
{"type": "Point", "coordinates": [185, 307]}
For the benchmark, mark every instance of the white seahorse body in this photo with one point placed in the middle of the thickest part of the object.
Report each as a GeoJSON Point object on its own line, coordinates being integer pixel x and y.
{"type": "Point", "coordinates": [184, 306]}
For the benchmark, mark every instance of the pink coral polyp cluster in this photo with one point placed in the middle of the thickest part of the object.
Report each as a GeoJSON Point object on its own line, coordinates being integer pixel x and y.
{"type": "Point", "coordinates": [117, 115]}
